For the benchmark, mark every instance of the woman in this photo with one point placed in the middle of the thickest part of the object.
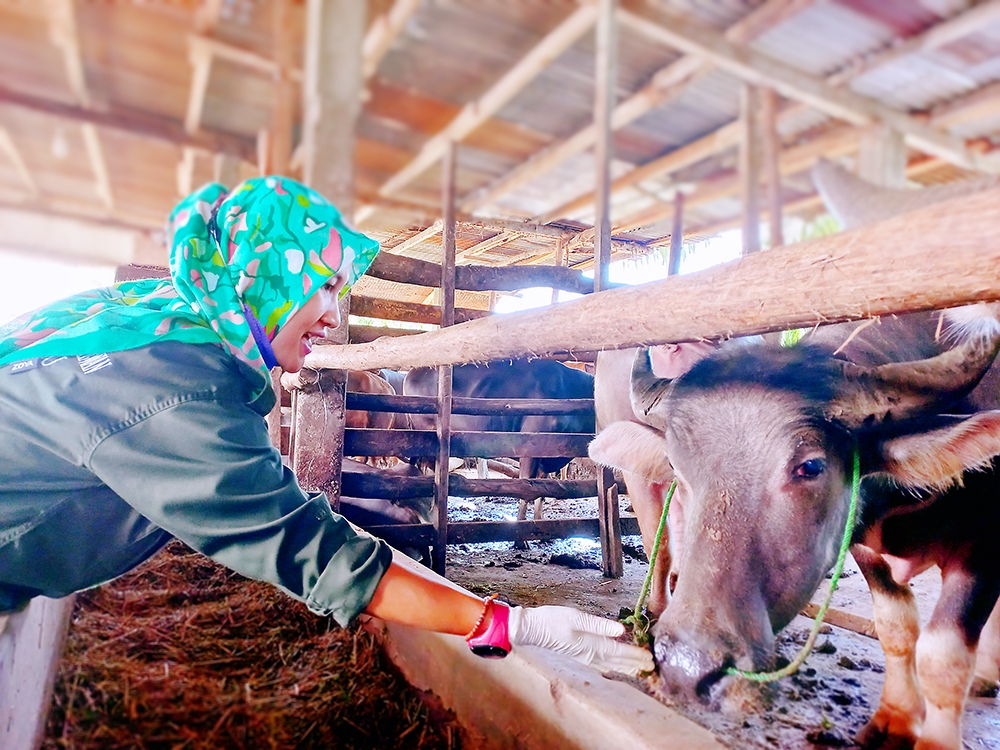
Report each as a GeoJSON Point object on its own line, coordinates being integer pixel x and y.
{"type": "Point", "coordinates": [134, 414]}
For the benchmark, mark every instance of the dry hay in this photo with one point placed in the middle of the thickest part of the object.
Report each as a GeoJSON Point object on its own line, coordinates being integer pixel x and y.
{"type": "Point", "coordinates": [182, 653]}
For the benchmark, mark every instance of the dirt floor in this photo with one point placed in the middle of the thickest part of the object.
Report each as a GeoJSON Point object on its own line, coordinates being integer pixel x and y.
{"type": "Point", "coordinates": [823, 705]}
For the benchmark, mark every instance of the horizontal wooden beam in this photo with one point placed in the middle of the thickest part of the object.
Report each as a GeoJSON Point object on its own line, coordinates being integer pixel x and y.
{"type": "Point", "coordinates": [478, 532]}
{"type": "Point", "coordinates": [398, 268]}
{"type": "Point", "coordinates": [942, 256]}
{"type": "Point", "coordinates": [463, 405]}
{"type": "Point", "coordinates": [407, 312]}
{"type": "Point", "coordinates": [424, 443]}
{"type": "Point", "coordinates": [134, 122]}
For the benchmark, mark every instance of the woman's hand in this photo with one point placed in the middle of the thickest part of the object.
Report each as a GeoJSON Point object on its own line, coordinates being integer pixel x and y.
{"type": "Point", "coordinates": [590, 639]}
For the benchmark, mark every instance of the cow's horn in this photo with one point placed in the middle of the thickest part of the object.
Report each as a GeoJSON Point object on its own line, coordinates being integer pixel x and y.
{"type": "Point", "coordinates": [647, 391]}
{"type": "Point", "coordinates": [872, 395]}
{"type": "Point", "coordinates": [856, 202]}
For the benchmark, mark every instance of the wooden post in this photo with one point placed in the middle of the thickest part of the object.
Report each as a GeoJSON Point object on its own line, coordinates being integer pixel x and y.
{"type": "Point", "coordinates": [558, 261]}
{"type": "Point", "coordinates": [882, 157]}
{"type": "Point", "coordinates": [749, 168]}
{"type": "Point", "coordinates": [604, 103]}
{"type": "Point", "coordinates": [612, 560]}
{"type": "Point", "coordinates": [676, 236]}
{"type": "Point", "coordinates": [274, 416]}
{"type": "Point", "coordinates": [331, 93]}
{"type": "Point", "coordinates": [772, 164]}
{"type": "Point", "coordinates": [445, 371]}
{"type": "Point", "coordinates": [283, 114]}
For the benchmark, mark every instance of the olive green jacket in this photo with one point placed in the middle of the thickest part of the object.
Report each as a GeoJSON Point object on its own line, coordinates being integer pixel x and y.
{"type": "Point", "coordinates": [104, 458]}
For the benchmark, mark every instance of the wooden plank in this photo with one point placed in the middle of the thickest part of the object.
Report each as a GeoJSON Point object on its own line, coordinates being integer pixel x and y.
{"type": "Point", "coordinates": [510, 84]}
{"type": "Point", "coordinates": [476, 532]}
{"type": "Point", "coordinates": [424, 443]}
{"type": "Point", "coordinates": [461, 405]}
{"type": "Point", "coordinates": [356, 484]}
{"type": "Point", "coordinates": [408, 312]}
{"type": "Point", "coordinates": [133, 122]}
{"type": "Point", "coordinates": [391, 266]}
{"type": "Point", "coordinates": [749, 167]}
{"type": "Point", "coordinates": [358, 334]}
{"type": "Point", "coordinates": [942, 256]}
{"type": "Point", "coordinates": [756, 68]}
{"type": "Point", "coordinates": [31, 645]}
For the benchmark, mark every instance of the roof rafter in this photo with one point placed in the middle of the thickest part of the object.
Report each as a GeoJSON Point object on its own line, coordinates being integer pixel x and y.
{"type": "Point", "coordinates": [664, 86]}
{"type": "Point", "coordinates": [383, 31]}
{"type": "Point", "coordinates": [513, 82]}
{"type": "Point", "coordinates": [63, 32]}
{"type": "Point", "coordinates": [756, 68]}
{"type": "Point", "coordinates": [8, 146]}
{"type": "Point", "coordinates": [728, 135]}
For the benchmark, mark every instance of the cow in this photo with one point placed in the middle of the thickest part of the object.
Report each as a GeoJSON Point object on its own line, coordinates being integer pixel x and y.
{"type": "Point", "coordinates": [519, 378]}
{"type": "Point", "coordinates": [362, 381]}
{"type": "Point", "coordinates": [612, 404]}
{"type": "Point", "coordinates": [761, 441]}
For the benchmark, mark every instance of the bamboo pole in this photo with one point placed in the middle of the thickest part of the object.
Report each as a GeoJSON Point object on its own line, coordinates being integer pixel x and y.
{"type": "Point", "coordinates": [942, 256]}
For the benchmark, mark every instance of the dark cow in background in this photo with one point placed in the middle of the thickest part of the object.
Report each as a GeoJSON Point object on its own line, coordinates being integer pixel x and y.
{"type": "Point", "coordinates": [537, 378]}
{"type": "Point", "coordinates": [761, 440]}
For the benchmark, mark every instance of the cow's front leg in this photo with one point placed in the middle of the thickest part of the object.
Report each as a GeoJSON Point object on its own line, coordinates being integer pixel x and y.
{"type": "Point", "coordinates": [987, 673]}
{"type": "Point", "coordinates": [897, 722]}
{"type": "Point", "coordinates": [526, 470]}
{"type": "Point", "coordinates": [946, 653]}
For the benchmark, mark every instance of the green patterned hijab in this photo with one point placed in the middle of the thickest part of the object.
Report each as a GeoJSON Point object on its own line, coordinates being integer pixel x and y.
{"type": "Point", "coordinates": [240, 262]}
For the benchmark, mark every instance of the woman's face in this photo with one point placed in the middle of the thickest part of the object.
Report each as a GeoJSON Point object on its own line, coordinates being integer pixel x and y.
{"type": "Point", "coordinates": [295, 339]}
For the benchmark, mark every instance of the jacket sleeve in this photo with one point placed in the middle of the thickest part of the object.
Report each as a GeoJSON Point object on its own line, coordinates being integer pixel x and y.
{"type": "Point", "coordinates": [206, 472]}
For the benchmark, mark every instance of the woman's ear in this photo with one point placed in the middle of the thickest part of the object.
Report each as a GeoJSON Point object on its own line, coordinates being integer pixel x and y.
{"type": "Point", "coordinates": [937, 458]}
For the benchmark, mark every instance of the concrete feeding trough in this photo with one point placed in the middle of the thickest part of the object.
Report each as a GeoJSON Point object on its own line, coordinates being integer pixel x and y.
{"type": "Point", "coordinates": [536, 698]}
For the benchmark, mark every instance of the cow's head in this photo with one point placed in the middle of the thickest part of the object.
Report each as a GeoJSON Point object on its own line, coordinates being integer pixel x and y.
{"type": "Point", "coordinates": [761, 439]}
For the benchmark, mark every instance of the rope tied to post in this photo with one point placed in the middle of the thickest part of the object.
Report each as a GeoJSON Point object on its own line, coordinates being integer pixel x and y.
{"type": "Point", "coordinates": [640, 623]}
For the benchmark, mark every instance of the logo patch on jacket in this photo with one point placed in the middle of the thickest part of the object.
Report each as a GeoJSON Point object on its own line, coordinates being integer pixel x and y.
{"type": "Point", "coordinates": [93, 362]}
{"type": "Point", "coordinates": [24, 366]}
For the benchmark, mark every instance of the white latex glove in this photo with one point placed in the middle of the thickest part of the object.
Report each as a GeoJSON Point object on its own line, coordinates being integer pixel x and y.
{"type": "Point", "coordinates": [586, 637]}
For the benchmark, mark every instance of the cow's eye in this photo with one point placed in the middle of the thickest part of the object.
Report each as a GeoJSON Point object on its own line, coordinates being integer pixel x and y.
{"type": "Point", "coordinates": [810, 469]}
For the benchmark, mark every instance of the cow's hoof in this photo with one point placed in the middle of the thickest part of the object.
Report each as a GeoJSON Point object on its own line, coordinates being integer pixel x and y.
{"type": "Point", "coordinates": [887, 733]}
{"type": "Point", "coordinates": [983, 688]}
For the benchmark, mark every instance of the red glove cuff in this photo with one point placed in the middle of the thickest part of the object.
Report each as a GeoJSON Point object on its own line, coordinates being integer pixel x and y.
{"type": "Point", "coordinates": [493, 642]}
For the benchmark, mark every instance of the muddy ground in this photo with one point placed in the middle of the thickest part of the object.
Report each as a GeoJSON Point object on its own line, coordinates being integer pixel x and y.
{"type": "Point", "coordinates": [823, 705]}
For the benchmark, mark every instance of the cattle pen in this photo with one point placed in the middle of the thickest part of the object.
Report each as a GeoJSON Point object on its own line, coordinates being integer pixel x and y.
{"type": "Point", "coordinates": [491, 147]}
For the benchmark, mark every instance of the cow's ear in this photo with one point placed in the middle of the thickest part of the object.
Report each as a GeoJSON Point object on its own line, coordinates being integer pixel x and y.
{"type": "Point", "coordinates": [937, 458]}
{"type": "Point", "coordinates": [633, 447]}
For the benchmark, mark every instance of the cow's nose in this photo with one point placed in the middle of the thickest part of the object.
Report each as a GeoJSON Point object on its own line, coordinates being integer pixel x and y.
{"type": "Point", "coordinates": [688, 672]}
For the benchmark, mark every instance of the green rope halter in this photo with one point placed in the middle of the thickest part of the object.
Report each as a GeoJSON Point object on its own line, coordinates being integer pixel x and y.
{"type": "Point", "coordinates": [640, 622]}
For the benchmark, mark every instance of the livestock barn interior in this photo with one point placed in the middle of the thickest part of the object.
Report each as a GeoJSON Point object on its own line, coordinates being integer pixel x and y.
{"type": "Point", "coordinates": [492, 147]}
